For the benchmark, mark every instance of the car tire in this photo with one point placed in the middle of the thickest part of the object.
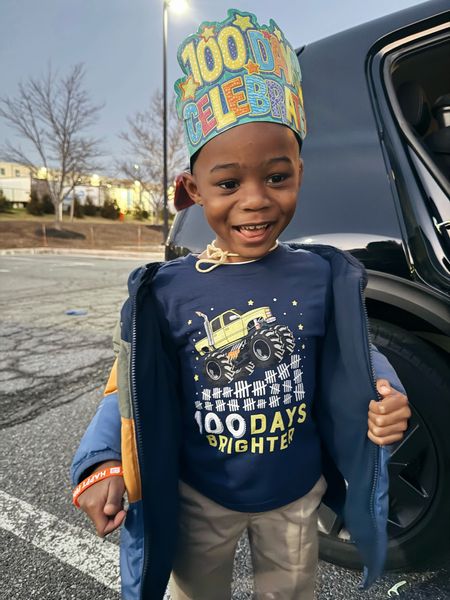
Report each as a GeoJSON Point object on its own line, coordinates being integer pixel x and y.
{"type": "Point", "coordinates": [419, 471]}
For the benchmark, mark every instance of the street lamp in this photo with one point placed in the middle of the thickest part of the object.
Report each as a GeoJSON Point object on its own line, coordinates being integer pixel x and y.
{"type": "Point", "coordinates": [179, 6]}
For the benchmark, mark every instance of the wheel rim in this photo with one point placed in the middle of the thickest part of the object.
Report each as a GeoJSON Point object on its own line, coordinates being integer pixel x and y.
{"type": "Point", "coordinates": [261, 350]}
{"type": "Point", "coordinates": [213, 370]}
{"type": "Point", "coordinates": [413, 479]}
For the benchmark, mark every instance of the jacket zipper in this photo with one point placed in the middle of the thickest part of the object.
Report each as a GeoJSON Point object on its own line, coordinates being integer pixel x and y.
{"type": "Point", "coordinates": [372, 370]}
{"type": "Point", "coordinates": [133, 390]}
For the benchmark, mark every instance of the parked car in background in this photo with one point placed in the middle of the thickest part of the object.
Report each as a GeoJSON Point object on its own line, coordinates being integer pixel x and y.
{"type": "Point", "coordinates": [377, 183]}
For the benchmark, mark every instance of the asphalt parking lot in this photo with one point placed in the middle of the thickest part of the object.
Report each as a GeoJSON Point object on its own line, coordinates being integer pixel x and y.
{"type": "Point", "coordinates": [57, 315]}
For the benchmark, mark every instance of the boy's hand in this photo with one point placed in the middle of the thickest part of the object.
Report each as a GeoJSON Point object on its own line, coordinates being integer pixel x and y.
{"type": "Point", "coordinates": [103, 502]}
{"type": "Point", "coordinates": [388, 417]}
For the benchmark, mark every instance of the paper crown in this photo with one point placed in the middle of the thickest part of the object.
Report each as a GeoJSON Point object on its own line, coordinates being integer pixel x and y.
{"type": "Point", "coordinates": [236, 72]}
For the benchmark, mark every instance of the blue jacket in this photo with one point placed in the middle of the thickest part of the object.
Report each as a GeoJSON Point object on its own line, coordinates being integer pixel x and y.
{"type": "Point", "coordinates": [138, 422]}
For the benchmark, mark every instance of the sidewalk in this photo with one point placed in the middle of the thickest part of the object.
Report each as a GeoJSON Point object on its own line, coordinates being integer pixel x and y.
{"type": "Point", "coordinates": [157, 253]}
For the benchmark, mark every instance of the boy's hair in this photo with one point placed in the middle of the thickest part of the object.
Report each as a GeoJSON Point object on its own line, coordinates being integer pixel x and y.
{"type": "Point", "coordinates": [196, 155]}
{"type": "Point", "coordinates": [237, 71]}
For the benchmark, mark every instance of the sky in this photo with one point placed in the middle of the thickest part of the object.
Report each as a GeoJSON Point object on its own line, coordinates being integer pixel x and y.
{"type": "Point", "coordinates": [120, 44]}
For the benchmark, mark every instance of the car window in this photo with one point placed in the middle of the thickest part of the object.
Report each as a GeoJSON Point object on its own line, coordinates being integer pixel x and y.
{"type": "Point", "coordinates": [421, 81]}
{"type": "Point", "coordinates": [410, 85]}
{"type": "Point", "coordinates": [215, 324]}
{"type": "Point", "coordinates": [228, 317]}
{"type": "Point", "coordinates": [193, 229]}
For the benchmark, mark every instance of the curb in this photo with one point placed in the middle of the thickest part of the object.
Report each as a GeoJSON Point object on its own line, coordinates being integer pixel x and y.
{"type": "Point", "coordinates": [117, 254]}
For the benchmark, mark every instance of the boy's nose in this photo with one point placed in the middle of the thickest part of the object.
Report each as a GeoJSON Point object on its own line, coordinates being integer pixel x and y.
{"type": "Point", "coordinates": [254, 197]}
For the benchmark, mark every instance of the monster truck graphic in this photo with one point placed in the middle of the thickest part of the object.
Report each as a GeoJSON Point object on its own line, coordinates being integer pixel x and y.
{"type": "Point", "coordinates": [237, 342]}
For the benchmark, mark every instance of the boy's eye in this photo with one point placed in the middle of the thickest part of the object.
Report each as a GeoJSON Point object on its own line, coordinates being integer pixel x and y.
{"type": "Point", "coordinates": [277, 178]}
{"type": "Point", "coordinates": [228, 185]}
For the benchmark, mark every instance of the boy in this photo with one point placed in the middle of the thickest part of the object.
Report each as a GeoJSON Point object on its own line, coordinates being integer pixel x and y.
{"type": "Point", "coordinates": [244, 375]}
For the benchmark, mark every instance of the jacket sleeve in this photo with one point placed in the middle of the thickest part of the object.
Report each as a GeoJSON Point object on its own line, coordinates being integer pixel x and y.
{"type": "Point", "coordinates": [384, 370]}
{"type": "Point", "coordinates": [102, 439]}
{"type": "Point", "coordinates": [101, 442]}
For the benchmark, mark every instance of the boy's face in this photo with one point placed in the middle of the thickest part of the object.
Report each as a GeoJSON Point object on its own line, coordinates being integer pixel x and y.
{"type": "Point", "coordinates": [247, 180]}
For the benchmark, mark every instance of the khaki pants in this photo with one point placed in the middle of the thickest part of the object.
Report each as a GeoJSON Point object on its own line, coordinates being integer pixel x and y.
{"type": "Point", "coordinates": [283, 543]}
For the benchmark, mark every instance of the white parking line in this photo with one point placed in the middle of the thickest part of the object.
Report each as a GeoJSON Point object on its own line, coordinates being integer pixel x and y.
{"type": "Point", "coordinates": [71, 264]}
{"type": "Point", "coordinates": [69, 544]}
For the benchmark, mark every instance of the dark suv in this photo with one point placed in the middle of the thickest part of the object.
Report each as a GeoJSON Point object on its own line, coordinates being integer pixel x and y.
{"type": "Point", "coordinates": [377, 183]}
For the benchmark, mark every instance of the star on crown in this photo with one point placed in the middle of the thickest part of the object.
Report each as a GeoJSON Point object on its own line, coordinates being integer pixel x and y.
{"type": "Point", "coordinates": [278, 34]}
{"type": "Point", "coordinates": [251, 67]}
{"type": "Point", "coordinates": [188, 88]}
{"type": "Point", "coordinates": [243, 23]}
{"type": "Point", "coordinates": [207, 32]}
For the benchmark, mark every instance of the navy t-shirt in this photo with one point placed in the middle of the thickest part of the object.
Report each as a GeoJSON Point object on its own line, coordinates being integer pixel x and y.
{"type": "Point", "coordinates": [247, 336]}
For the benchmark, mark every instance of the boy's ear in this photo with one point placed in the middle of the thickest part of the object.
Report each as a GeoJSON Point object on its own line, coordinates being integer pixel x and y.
{"type": "Point", "coordinates": [301, 171]}
{"type": "Point", "coordinates": [190, 185]}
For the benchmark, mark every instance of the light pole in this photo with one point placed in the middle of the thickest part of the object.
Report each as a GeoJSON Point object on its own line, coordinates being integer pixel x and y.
{"type": "Point", "coordinates": [180, 6]}
{"type": "Point", "coordinates": [138, 182]}
{"type": "Point", "coordinates": [165, 209]}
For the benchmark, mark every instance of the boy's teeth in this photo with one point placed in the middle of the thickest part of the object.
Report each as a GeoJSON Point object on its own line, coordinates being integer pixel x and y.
{"type": "Point", "coordinates": [252, 227]}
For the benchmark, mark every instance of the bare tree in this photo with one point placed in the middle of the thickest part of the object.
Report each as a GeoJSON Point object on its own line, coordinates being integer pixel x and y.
{"type": "Point", "coordinates": [51, 115]}
{"type": "Point", "coordinates": [144, 140]}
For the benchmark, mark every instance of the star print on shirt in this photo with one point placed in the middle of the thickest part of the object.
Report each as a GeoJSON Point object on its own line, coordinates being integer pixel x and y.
{"type": "Point", "coordinates": [294, 302]}
{"type": "Point", "coordinates": [250, 303]}
{"type": "Point", "coordinates": [196, 378]}
{"type": "Point", "coordinates": [300, 327]}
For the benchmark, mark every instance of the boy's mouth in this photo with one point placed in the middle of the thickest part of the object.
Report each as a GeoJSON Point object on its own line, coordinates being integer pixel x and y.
{"type": "Point", "coordinates": [253, 231]}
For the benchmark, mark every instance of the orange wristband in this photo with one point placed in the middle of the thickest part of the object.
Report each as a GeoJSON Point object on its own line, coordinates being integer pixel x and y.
{"type": "Point", "coordinates": [95, 478]}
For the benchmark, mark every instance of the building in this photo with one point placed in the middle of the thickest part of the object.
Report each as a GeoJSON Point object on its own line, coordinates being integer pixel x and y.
{"type": "Point", "coordinates": [15, 182]}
